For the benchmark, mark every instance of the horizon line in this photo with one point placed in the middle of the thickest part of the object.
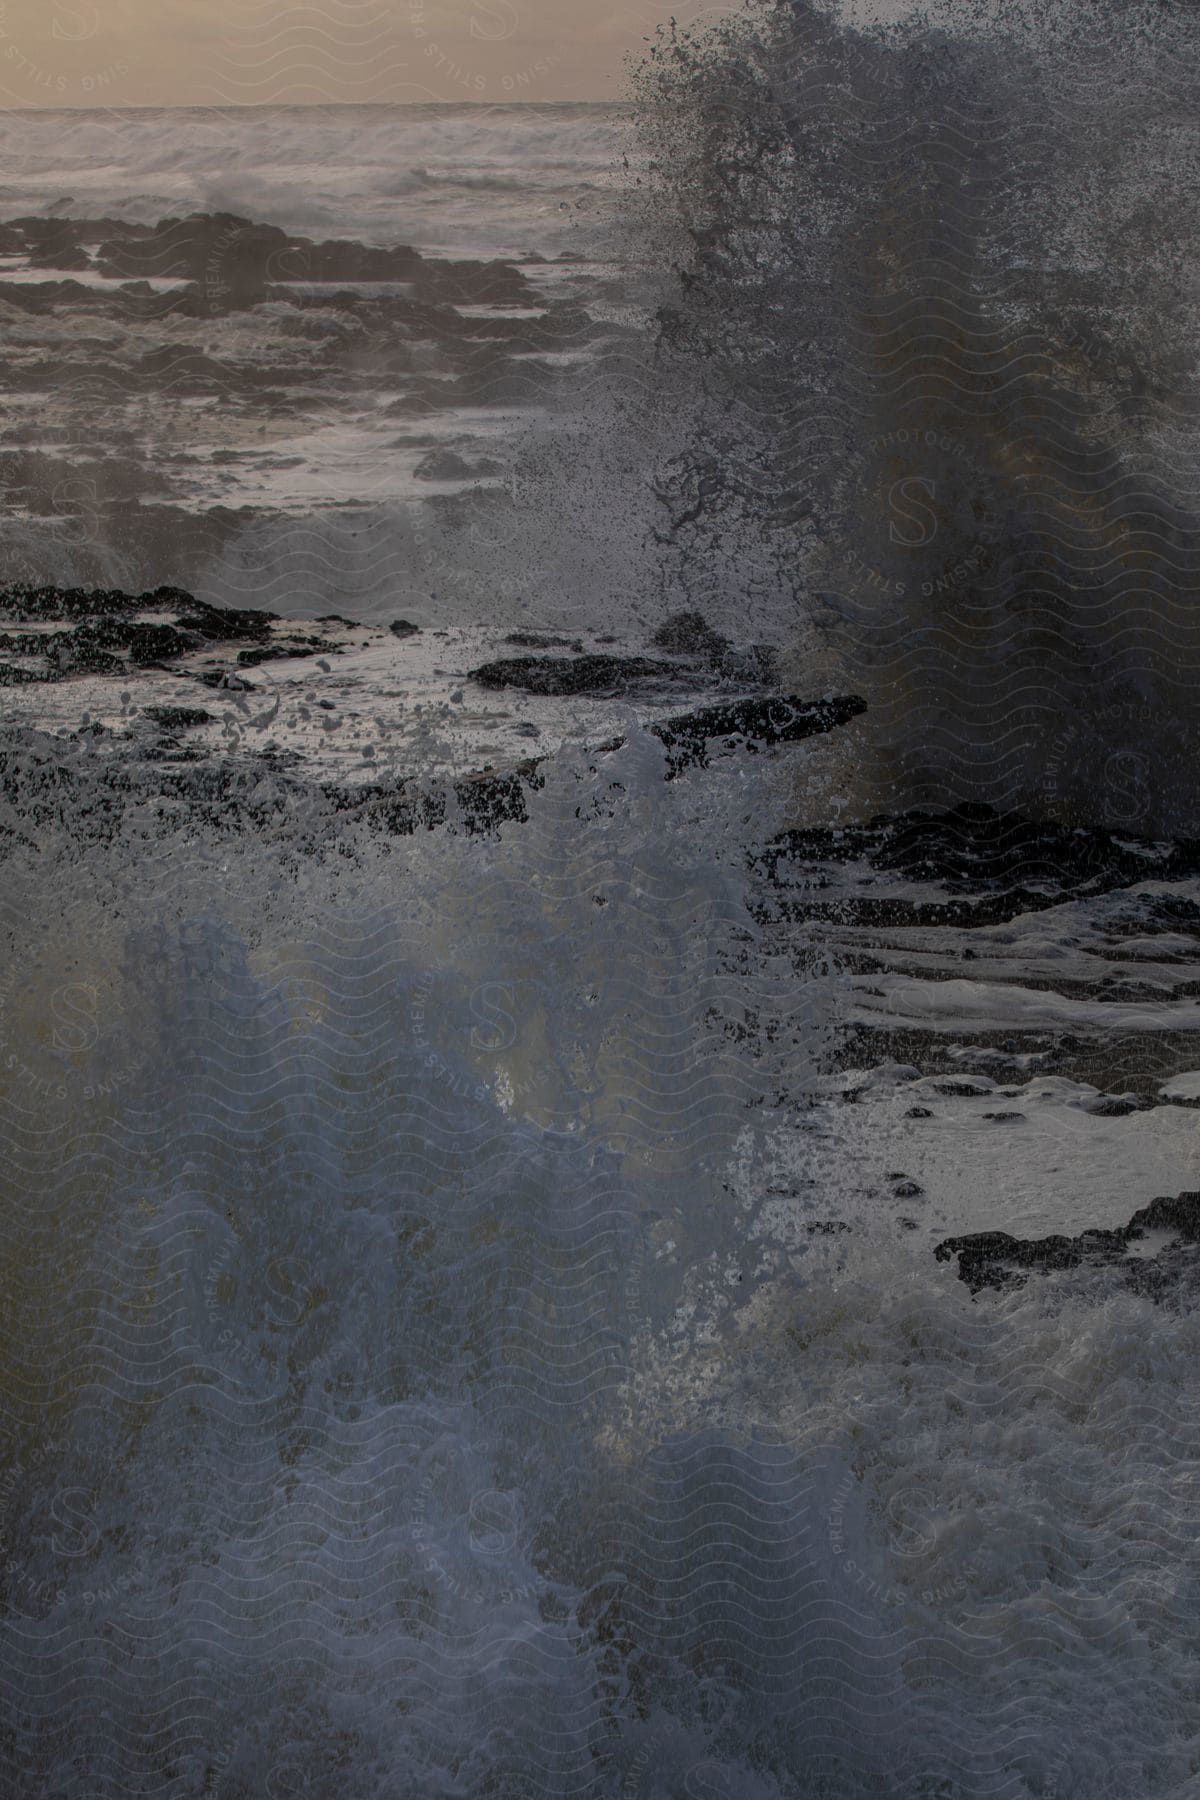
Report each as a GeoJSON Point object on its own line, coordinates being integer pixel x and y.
{"type": "Point", "coordinates": [305, 105]}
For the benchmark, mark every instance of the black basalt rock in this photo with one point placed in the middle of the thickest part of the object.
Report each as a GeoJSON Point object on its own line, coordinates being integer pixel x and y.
{"type": "Point", "coordinates": [108, 632]}
{"type": "Point", "coordinates": [589, 674]}
{"type": "Point", "coordinates": [176, 718]}
{"type": "Point", "coordinates": [780, 719]}
{"type": "Point", "coordinates": [991, 866]}
{"type": "Point", "coordinates": [689, 634]}
{"type": "Point", "coordinates": [994, 1259]}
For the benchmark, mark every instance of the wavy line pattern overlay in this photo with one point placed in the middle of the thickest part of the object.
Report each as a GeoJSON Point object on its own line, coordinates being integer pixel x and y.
{"type": "Point", "coordinates": [599, 1022]}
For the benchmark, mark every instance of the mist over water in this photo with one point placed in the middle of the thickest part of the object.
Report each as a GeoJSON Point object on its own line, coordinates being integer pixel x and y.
{"type": "Point", "coordinates": [475, 1312]}
{"type": "Point", "coordinates": [933, 328]}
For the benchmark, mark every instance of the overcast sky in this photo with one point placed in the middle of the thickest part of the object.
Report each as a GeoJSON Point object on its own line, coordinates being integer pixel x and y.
{"type": "Point", "coordinates": [239, 52]}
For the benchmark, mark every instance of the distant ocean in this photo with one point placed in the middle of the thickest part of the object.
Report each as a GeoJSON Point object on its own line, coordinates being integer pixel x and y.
{"type": "Point", "coordinates": [316, 432]}
{"type": "Point", "coordinates": [454, 179]}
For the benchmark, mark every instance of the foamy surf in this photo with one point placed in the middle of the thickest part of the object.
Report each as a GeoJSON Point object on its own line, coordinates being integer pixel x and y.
{"type": "Point", "coordinates": [570, 1210]}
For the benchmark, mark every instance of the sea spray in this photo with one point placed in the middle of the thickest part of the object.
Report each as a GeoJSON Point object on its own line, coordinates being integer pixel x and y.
{"type": "Point", "coordinates": [932, 344]}
{"type": "Point", "coordinates": [366, 1259]}
{"type": "Point", "coordinates": [487, 1348]}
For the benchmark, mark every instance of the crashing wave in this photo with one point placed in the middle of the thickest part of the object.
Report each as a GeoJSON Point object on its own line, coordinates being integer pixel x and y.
{"type": "Point", "coordinates": [932, 326]}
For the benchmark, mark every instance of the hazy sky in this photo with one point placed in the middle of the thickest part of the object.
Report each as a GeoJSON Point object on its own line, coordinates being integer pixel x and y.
{"type": "Point", "coordinates": [229, 52]}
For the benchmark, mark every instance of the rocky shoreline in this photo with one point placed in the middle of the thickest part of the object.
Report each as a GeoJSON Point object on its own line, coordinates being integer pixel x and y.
{"type": "Point", "coordinates": [163, 694]}
{"type": "Point", "coordinates": [988, 959]}
{"type": "Point", "coordinates": [231, 373]}
{"type": "Point", "coordinates": [1168, 1273]}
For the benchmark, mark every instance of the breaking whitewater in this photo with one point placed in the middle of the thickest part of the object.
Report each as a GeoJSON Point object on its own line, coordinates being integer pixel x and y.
{"type": "Point", "coordinates": [599, 1030]}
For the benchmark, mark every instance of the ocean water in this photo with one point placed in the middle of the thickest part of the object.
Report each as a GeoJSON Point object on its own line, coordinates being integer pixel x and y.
{"type": "Point", "coordinates": [456, 180]}
{"type": "Point", "coordinates": [471, 1319]}
{"type": "Point", "coordinates": [266, 452]}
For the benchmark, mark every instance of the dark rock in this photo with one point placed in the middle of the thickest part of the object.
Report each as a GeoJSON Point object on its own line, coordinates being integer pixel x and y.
{"type": "Point", "coordinates": [749, 723]}
{"type": "Point", "coordinates": [1006, 863]}
{"type": "Point", "coordinates": [486, 799]}
{"type": "Point", "coordinates": [481, 802]}
{"type": "Point", "coordinates": [918, 1112]}
{"type": "Point", "coordinates": [171, 752]}
{"type": "Point", "coordinates": [158, 643]}
{"type": "Point", "coordinates": [284, 651]}
{"type": "Point", "coordinates": [474, 284]}
{"type": "Point", "coordinates": [691, 738]}
{"type": "Point", "coordinates": [55, 244]}
{"type": "Point", "coordinates": [535, 640]}
{"type": "Point", "coordinates": [232, 257]}
{"type": "Point", "coordinates": [1003, 1118]}
{"type": "Point", "coordinates": [86, 659]}
{"type": "Point", "coordinates": [177, 718]}
{"type": "Point", "coordinates": [340, 259]}
{"type": "Point", "coordinates": [97, 646]}
{"type": "Point", "coordinates": [181, 369]}
{"type": "Point", "coordinates": [1170, 1212]}
{"type": "Point", "coordinates": [402, 629]}
{"type": "Point", "coordinates": [231, 263]}
{"type": "Point", "coordinates": [229, 794]}
{"type": "Point", "coordinates": [106, 631]}
{"type": "Point", "coordinates": [689, 634]}
{"type": "Point", "coordinates": [29, 602]}
{"type": "Point", "coordinates": [591, 674]}
{"type": "Point", "coordinates": [994, 1259]}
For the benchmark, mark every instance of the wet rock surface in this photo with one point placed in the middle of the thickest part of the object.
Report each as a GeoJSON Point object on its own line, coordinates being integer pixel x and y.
{"type": "Point", "coordinates": [994, 1259]}
{"type": "Point", "coordinates": [753, 724]}
{"type": "Point", "coordinates": [697, 654]}
{"type": "Point", "coordinates": [235, 260]}
{"type": "Point", "coordinates": [176, 718]}
{"type": "Point", "coordinates": [286, 708]}
{"type": "Point", "coordinates": [989, 948]}
{"type": "Point", "coordinates": [689, 634]}
{"type": "Point", "coordinates": [991, 865]}
{"type": "Point", "coordinates": [587, 674]}
{"type": "Point", "coordinates": [103, 631]}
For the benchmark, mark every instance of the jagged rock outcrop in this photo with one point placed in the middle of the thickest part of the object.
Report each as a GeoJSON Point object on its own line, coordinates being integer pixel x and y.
{"type": "Point", "coordinates": [994, 1259]}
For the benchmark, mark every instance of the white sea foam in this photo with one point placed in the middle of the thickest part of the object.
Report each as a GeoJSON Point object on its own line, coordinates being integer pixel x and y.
{"type": "Point", "coordinates": [460, 1336]}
